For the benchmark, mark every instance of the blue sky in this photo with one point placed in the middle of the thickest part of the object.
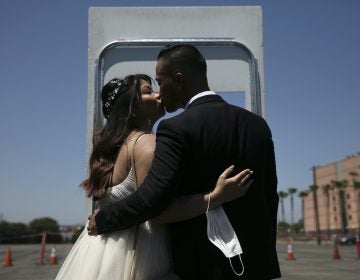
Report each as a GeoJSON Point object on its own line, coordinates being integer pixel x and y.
{"type": "Point", "coordinates": [312, 57]}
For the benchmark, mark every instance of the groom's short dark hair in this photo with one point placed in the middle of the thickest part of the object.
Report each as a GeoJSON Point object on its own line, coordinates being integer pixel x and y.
{"type": "Point", "coordinates": [183, 56]}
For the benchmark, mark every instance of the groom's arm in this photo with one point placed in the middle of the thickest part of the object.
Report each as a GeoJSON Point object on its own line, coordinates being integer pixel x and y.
{"type": "Point", "coordinates": [158, 189]}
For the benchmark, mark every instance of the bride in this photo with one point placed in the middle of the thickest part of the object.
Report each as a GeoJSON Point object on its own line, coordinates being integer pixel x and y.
{"type": "Point", "coordinates": [121, 157]}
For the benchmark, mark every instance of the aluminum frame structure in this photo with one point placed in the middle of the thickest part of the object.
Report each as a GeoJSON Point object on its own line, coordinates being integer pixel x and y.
{"type": "Point", "coordinates": [238, 29]}
{"type": "Point", "coordinates": [255, 92]}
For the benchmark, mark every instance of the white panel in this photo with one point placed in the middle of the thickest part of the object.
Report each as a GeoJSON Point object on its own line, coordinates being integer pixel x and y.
{"type": "Point", "coordinates": [240, 24]}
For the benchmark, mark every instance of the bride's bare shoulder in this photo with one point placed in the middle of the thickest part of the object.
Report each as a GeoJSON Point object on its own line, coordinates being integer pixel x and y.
{"type": "Point", "coordinates": [146, 141]}
{"type": "Point", "coordinates": [145, 147]}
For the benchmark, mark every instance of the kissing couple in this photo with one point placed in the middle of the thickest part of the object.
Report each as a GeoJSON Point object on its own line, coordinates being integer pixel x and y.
{"type": "Point", "coordinates": [198, 201]}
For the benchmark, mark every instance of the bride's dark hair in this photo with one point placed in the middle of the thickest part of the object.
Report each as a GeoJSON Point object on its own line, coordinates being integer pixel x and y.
{"type": "Point", "coordinates": [119, 98]}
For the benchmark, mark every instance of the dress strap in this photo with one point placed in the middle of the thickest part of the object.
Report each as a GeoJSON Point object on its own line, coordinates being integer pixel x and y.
{"type": "Point", "coordinates": [133, 156]}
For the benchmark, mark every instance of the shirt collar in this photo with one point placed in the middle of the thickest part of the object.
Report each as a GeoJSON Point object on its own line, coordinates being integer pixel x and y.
{"type": "Point", "coordinates": [201, 94]}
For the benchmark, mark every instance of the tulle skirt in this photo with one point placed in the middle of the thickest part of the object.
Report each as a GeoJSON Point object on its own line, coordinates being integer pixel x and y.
{"type": "Point", "coordinates": [139, 253]}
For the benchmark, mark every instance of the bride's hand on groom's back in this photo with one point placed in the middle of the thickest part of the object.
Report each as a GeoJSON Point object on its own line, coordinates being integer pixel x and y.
{"type": "Point", "coordinates": [91, 228]}
{"type": "Point", "coordinates": [228, 189]}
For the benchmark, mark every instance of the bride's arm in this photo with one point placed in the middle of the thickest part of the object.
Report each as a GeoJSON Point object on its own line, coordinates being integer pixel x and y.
{"type": "Point", "coordinates": [226, 189]}
{"type": "Point", "coordinates": [187, 207]}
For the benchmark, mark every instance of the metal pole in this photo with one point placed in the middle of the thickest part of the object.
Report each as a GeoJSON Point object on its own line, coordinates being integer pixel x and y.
{"type": "Point", "coordinates": [42, 248]}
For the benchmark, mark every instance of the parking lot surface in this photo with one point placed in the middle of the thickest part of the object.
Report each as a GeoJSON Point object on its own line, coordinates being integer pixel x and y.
{"type": "Point", "coordinates": [311, 262]}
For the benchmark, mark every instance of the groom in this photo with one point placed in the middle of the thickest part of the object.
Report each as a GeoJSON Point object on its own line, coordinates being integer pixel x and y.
{"type": "Point", "coordinates": [192, 148]}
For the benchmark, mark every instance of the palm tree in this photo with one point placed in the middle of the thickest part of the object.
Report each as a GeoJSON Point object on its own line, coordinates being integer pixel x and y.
{"type": "Point", "coordinates": [291, 192]}
{"type": "Point", "coordinates": [303, 194]}
{"type": "Point", "coordinates": [356, 186]}
{"type": "Point", "coordinates": [282, 195]}
{"type": "Point", "coordinates": [341, 185]}
{"type": "Point", "coordinates": [314, 188]}
{"type": "Point", "coordinates": [326, 189]}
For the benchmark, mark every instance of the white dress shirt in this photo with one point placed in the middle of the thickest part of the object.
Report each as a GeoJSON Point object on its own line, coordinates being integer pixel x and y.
{"type": "Point", "coordinates": [201, 94]}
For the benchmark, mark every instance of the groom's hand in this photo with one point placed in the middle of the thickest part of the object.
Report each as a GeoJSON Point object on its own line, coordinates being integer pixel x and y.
{"type": "Point", "coordinates": [92, 225]}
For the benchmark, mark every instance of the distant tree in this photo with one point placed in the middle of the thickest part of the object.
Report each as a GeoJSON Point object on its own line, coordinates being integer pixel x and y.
{"type": "Point", "coordinates": [291, 192]}
{"type": "Point", "coordinates": [46, 224]}
{"type": "Point", "coordinates": [282, 195]}
{"type": "Point", "coordinates": [356, 187]}
{"type": "Point", "coordinates": [302, 195]}
{"type": "Point", "coordinates": [341, 187]}
{"type": "Point", "coordinates": [314, 189]}
{"type": "Point", "coordinates": [4, 228]}
{"type": "Point", "coordinates": [326, 189]}
{"type": "Point", "coordinates": [4, 231]}
{"type": "Point", "coordinates": [13, 232]}
{"type": "Point", "coordinates": [298, 227]}
{"type": "Point", "coordinates": [283, 228]}
{"type": "Point", "coordinates": [41, 224]}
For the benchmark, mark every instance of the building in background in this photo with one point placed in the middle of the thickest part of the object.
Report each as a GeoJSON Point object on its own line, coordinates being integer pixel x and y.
{"type": "Point", "coordinates": [332, 204]}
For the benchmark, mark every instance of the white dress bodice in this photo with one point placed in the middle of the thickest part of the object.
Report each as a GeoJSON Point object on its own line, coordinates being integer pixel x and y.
{"type": "Point", "coordinates": [119, 191]}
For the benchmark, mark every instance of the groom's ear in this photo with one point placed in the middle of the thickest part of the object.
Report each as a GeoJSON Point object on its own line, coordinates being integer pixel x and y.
{"type": "Point", "coordinates": [179, 80]}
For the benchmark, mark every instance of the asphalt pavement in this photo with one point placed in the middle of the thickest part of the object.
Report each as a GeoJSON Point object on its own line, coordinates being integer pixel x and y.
{"type": "Point", "coordinates": [312, 262]}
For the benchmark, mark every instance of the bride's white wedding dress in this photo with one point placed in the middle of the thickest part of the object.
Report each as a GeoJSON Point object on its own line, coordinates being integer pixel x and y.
{"type": "Point", "coordinates": [140, 252]}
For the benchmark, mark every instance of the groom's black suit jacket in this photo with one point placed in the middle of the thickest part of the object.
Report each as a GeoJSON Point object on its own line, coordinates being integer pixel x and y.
{"type": "Point", "coordinates": [192, 150]}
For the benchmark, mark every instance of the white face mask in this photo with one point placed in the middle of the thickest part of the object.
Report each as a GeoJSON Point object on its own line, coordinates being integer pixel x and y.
{"type": "Point", "coordinates": [221, 233]}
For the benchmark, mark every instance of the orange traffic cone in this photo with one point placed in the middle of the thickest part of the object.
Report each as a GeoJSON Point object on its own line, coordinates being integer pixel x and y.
{"type": "Point", "coordinates": [290, 254]}
{"type": "Point", "coordinates": [336, 253]}
{"type": "Point", "coordinates": [53, 258]}
{"type": "Point", "coordinates": [8, 260]}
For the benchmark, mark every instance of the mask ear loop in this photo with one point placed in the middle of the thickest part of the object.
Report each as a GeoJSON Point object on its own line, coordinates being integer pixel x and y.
{"type": "Point", "coordinates": [242, 265]}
